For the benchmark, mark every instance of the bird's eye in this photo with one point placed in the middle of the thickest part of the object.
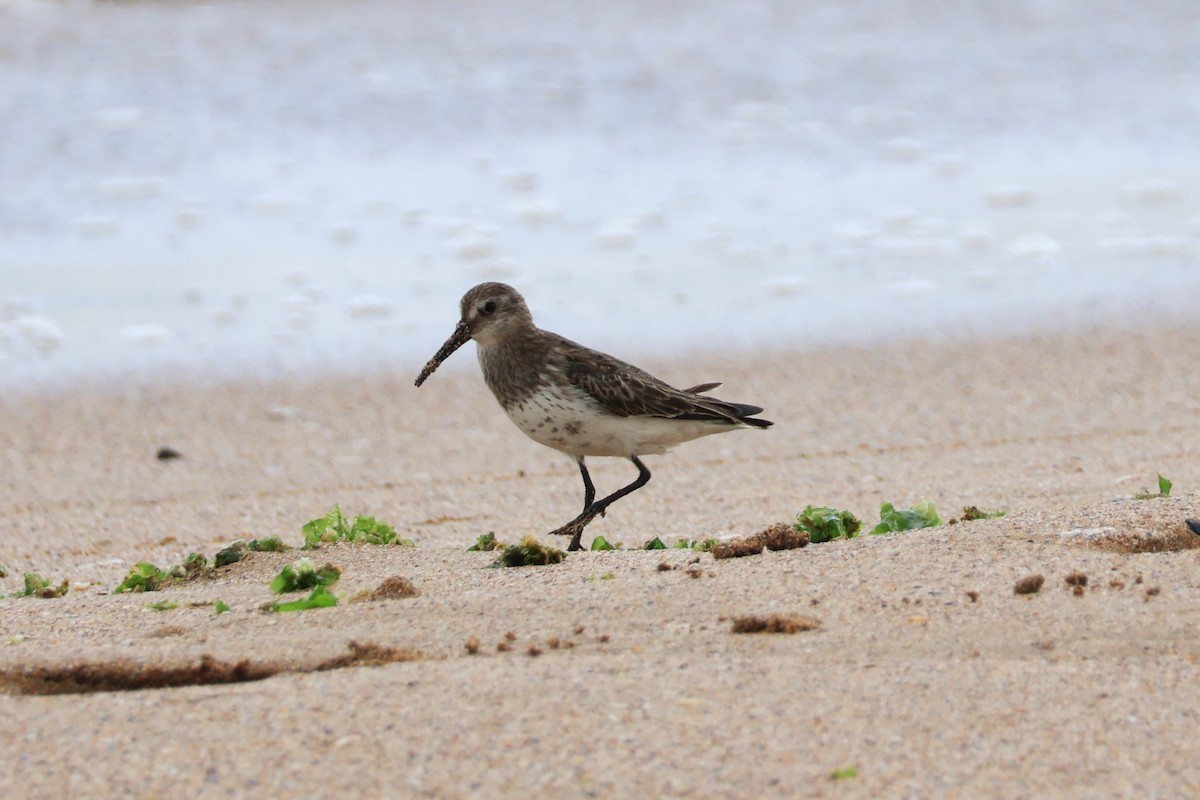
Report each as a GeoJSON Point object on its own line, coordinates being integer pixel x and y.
{"type": "Point", "coordinates": [489, 307]}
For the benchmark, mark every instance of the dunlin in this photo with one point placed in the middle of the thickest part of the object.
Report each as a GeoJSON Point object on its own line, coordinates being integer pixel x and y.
{"type": "Point", "coordinates": [578, 401]}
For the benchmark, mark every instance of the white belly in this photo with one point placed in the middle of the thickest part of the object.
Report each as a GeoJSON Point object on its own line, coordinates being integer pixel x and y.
{"type": "Point", "coordinates": [568, 422]}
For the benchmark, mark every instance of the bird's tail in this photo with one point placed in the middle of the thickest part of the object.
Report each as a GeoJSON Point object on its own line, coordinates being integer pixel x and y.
{"type": "Point", "coordinates": [745, 413]}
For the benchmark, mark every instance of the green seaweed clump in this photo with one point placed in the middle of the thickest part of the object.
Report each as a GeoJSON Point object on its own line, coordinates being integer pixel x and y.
{"type": "Point", "coordinates": [303, 574]}
{"type": "Point", "coordinates": [232, 554]}
{"type": "Point", "coordinates": [824, 524]}
{"type": "Point", "coordinates": [270, 544]}
{"type": "Point", "coordinates": [334, 527]}
{"type": "Point", "coordinates": [922, 515]}
{"type": "Point", "coordinates": [972, 513]}
{"type": "Point", "coordinates": [145, 577]}
{"type": "Point", "coordinates": [1164, 490]}
{"type": "Point", "coordinates": [529, 553]}
{"type": "Point", "coordinates": [321, 597]}
{"type": "Point", "coordinates": [697, 545]}
{"type": "Point", "coordinates": [37, 586]}
{"type": "Point", "coordinates": [485, 543]}
{"type": "Point", "coordinates": [193, 566]}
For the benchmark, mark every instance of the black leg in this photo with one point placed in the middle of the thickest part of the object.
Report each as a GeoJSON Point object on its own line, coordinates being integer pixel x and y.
{"type": "Point", "coordinates": [642, 479]}
{"type": "Point", "coordinates": [589, 490]}
{"type": "Point", "coordinates": [575, 527]}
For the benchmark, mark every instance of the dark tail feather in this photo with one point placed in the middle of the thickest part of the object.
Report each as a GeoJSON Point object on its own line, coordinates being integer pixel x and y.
{"type": "Point", "coordinates": [754, 422]}
{"type": "Point", "coordinates": [714, 410]}
{"type": "Point", "coordinates": [745, 413]}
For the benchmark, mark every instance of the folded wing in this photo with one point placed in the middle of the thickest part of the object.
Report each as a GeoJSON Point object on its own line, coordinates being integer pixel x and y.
{"type": "Point", "coordinates": [627, 391]}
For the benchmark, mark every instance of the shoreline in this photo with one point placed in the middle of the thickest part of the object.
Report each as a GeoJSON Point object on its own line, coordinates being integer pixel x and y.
{"type": "Point", "coordinates": [399, 352]}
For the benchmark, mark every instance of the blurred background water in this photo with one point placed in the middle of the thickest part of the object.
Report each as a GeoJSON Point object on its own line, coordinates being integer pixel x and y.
{"type": "Point", "coordinates": [281, 185]}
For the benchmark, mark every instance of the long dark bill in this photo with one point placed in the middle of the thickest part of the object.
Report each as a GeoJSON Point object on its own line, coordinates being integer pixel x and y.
{"type": "Point", "coordinates": [457, 339]}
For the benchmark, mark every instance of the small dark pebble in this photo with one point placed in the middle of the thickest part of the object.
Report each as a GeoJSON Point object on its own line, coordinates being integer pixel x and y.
{"type": "Point", "coordinates": [1194, 524]}
{"type": "Point", "coordinates": [167, 454]}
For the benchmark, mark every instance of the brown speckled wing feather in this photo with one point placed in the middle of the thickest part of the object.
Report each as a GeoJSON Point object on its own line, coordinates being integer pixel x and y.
{"type": "Point", "coordinates": [628, 391]}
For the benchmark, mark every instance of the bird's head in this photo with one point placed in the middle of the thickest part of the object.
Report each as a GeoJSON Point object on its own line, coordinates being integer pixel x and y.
{"type": "Point", "coordinates": [490, 312]}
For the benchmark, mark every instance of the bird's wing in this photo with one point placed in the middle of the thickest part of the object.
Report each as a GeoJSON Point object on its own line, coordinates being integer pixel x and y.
{"type": "Point", "coordinates": [627, 391]}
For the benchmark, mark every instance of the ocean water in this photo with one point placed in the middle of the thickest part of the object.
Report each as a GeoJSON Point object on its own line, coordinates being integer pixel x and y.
{"type": "Point", "coordinates": [279, 186]}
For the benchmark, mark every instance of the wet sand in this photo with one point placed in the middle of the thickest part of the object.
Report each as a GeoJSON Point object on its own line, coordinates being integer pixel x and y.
{"type": "Point", "coordinates": [617, 677]}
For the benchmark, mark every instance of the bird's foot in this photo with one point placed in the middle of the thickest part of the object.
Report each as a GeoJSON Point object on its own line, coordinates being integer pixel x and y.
{"type": "Point", "coordinates": [575, 527]}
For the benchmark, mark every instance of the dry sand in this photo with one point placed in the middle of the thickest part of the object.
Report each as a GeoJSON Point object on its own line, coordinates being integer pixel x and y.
{"type": "Point", "coordinates": [927, 674]}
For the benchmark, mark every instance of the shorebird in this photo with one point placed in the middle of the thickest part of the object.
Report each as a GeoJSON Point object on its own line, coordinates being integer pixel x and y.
{"type": "Point", "coordinates": [579, 401]}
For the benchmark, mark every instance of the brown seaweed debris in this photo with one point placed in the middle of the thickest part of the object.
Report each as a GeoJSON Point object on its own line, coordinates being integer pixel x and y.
{"type": "Point", "coordinates": [737, 548]}
{"type": "Point", "coordinates": [1122, 539]}
{"type": "Point", "coordinates": [781, 536]}
{"type": "Point", "coordinates": [1030, 584]}
{"type": "Point", "coordinates": [775, 623]}
{"type": "Point", "coordinates": [125, 675]}
{"type": "Point", "coordinates": [394, 588]}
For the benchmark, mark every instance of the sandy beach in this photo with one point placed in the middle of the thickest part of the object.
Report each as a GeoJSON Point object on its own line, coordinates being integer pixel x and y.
{"type": "Point", "coordinates": [616, 674]}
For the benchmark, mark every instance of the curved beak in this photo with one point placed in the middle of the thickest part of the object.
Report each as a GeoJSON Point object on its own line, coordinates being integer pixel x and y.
{"type": "Point", "coordinates": [457, 339]}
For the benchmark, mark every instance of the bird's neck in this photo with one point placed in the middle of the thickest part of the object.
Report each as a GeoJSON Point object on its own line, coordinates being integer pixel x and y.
{"type": "Point", "coordinates": [513, 366]}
